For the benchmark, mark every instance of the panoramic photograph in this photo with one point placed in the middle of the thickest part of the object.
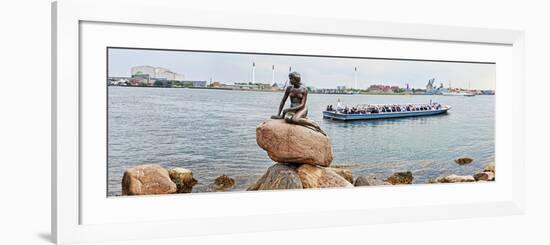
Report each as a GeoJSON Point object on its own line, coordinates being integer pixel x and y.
{"type": "Point", "coordinates": [185, 122]}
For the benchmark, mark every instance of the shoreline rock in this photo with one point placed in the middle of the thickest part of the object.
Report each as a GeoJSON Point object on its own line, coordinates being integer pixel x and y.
{"type": "Point", "coordinates": [485, 176]}
{"type": "Point", "coordinates": [490, 167]}
{"type": "Point", "coordinates": [183, 178]}
{"type": "Point", "coordinates": [345, 173]}
{"type": "Point", "coordinates": [370, 180]}
{"type": "Point", "coordinates": [290, 143]}
{"type": "Point", "coordinates": [224, 182]}
{"type": "Point", "coordinates": [453, 178]}
{"type": "Point", "coordinates": [147, 179]}
{"type": "Point", "coordinates": [305, 176]}
{"type": "Point", "coordinates": [278, 176]}
{"type": "Point", "coordinates": [399, 178]}
{"type": "Point", "coordinates": [319, 177]}
{"type": "Point", "coordinates": [464, 160]}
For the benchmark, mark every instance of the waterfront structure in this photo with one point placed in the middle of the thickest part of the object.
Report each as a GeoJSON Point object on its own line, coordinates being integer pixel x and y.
{"type": "Point", "coordinates": [196, 84]}
{"type": "Point", "coordinates": [255, 86]}
{"type": "Point", "coordinates": [144, 78]}
{"type": "Point", "coordinates": [431, 88]}
{"type": "Point", "coordinates": [378, 88]}
{"type": "Point", "coordinates": [216, 84]}
{"type": "Point", "coordinates": [138, 81]}
{"type": "Point", "coordinates": [408, 89]}
{"type": "Point", "coordinates": [118, 81]}
{"type": "Point", "coordinates": [156, 73]}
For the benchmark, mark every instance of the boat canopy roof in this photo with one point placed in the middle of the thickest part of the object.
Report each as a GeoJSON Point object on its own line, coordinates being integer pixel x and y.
{"type": "Point", "coordinates": [396, 104]}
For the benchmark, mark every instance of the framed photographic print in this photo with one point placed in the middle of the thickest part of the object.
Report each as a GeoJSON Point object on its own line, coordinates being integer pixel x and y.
{"type": "Point", "coordinates": [172, 125]}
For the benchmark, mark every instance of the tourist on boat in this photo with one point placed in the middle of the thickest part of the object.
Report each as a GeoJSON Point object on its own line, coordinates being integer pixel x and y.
{"type": "Point", "coordinates": [339, 105]}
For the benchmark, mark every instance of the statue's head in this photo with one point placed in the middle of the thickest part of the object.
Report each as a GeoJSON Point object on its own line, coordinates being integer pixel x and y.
{"type": "Point", "coordinates": [294, 78]}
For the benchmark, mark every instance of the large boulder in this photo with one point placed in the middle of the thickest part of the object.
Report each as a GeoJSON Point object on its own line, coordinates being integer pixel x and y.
{"type": "Point", "coordinates": [291, 143]}
{"type": "Point", "coordinates": [346, 173]}
{"type": "Point", "coordinates": [278, 176]}
{"type": "Point", "coordinates": [400, 178]}
{"type": "Point", "coordinates": [183, 178]}
{"type": "Point", "coordinates": [148, 179]}
{"type": "Point", "coordinates": [320, 177]}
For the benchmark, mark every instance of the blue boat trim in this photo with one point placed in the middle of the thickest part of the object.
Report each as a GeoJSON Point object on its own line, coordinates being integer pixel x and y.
{"type": "Point", "coordinates": [349, 117]}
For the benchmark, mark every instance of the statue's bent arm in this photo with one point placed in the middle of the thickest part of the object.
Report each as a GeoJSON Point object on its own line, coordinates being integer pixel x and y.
{"type": "Point", "coordinates": [285, 97]}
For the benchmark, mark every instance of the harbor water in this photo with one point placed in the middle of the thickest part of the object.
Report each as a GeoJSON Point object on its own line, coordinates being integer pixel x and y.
{"type": "Point", "coordinates": [212, 132]}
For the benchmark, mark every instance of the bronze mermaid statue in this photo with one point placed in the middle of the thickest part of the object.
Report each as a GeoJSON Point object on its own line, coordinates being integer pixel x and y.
{"type": "Point", "coordinates": [297, 112]}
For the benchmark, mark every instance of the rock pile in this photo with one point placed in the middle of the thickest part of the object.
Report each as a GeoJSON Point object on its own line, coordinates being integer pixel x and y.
{"type": "Point", "coordinates": [303, 158]}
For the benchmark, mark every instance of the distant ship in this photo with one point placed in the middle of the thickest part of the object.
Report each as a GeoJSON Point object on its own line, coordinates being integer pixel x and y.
{"type": "Point", "coordinates": [431, 88]}
{"type": "Point", "coordinates": [458, 94]}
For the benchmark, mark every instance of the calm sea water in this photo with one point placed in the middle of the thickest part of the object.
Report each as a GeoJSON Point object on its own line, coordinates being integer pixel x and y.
{"type": "Point", "coordinates": [212, 132]}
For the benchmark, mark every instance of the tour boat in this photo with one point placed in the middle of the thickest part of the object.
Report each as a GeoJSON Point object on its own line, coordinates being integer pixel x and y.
{"type": "Point", "coordinates": [415, 111]}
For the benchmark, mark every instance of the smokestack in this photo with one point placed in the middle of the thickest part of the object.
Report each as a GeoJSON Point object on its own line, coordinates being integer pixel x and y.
{"type": "Point", "coordinates": [253, 72]}
{"type": "Point", "coordinates": [355, 77]}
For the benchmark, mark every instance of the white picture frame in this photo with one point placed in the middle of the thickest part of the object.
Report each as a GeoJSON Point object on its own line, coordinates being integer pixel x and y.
{"type": "Point", "coordinates": [69, 196]}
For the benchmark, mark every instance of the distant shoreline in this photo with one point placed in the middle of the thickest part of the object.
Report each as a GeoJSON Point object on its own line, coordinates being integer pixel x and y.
{"type": "Point", "coordinates": [271, 91]}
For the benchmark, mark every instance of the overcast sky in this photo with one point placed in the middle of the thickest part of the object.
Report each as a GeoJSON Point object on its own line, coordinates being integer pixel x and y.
{"type": "Point", "coordinates": [320, 72]}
